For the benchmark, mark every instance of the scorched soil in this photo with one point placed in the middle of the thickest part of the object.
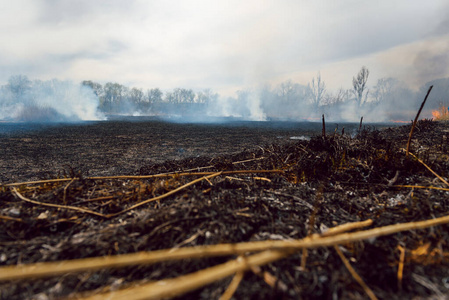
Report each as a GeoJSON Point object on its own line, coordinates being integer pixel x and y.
{"type": "Point", "coordinates": [274, 184]}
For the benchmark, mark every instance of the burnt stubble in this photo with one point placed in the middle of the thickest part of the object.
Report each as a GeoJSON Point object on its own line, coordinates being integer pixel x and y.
{"type": "Point", "coordinates": [324, 182]}
{"type": "Point", "coordinates": [122, 147]}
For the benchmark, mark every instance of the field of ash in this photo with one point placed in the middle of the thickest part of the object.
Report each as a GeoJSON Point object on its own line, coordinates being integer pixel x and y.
{"type": "Point", "coordinates": [280, 182]}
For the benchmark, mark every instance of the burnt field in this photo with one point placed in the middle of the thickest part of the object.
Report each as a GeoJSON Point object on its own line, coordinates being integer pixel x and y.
{"type": "Point", "coordinates": [250, 210]}
{"type": "Point", "coordinates": [126, 145]}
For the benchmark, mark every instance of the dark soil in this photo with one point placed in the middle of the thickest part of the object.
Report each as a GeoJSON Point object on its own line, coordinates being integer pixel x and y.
{"type": "Point", "coordinates": [325, 182]}
{"type": "Point", "coordinates": [37, 151]}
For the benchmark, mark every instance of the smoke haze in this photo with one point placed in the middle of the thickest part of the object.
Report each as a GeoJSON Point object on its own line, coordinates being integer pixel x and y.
{"type": "Point", "coordinates": [47, 101]}
{"type": "Point", "coordinates": [225, 46]}
{"type": "Point", "coordinates": [244, 51]}
{"type": "Point", "coordinates": [386, 100]}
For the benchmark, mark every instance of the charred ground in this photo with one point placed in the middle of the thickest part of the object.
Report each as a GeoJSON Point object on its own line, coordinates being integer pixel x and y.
{"type": "Point", "coordinates": [323, 182]}
{"type": "Point", "coordinates": [38, 150]}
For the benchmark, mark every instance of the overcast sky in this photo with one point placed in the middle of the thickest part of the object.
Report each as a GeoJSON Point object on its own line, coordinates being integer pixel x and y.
{"type": "Point", "coordinates": [224, 45]}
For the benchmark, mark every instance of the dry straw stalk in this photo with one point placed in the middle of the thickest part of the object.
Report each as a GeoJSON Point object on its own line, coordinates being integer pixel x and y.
{"type": "Point", "coordinates": [141, 258]}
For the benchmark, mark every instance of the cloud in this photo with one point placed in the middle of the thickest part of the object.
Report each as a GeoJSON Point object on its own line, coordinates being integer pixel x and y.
{"type": "Point", "coordinates": [63, 12]}
{"type": "Point", "coordinates": [223, 45]}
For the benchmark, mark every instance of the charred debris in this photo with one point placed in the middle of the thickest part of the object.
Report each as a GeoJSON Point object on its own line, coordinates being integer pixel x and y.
{"type": "Point", "coordinates": [338, 216]}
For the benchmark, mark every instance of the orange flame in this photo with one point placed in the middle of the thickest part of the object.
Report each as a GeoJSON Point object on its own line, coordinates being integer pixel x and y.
{"type": "Point", "coordinates": [436, 114]}
{"type": "Point", "coordinates": [441, 114]}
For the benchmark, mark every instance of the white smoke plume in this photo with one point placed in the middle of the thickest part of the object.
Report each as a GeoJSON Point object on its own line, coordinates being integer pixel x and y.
{"type": "Point", "coordinates": [47, 101]}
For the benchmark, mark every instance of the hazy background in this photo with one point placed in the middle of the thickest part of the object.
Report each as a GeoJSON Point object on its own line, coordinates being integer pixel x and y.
{"type": "Point", "coordinates": [243, 51]}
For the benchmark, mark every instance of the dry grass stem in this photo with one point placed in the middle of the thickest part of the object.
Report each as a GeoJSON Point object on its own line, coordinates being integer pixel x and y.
{"type": "Point", "coordinates": [421, 187]}
{"type": "Point", "coordinates": [83, 210]}
{"type": "Point", "coordinates": [428, 168]}
{"type": "Point", "coordinates": [39, 181]}
{"type": "Point", "coordinates": [401, 265]}
{"type": "Point", "coordinates": [234, 178]}
{"type": "Point", "coordinates": [189, 240]}
{"type": "Point", "coordinates": [227, 295]}
{"type": "Point", "coordinates": [186, 283]}
{"type": "Point", "coordinates": [65, 191]}
{"type": "Point", "coordinates": [269, 279]}
{"type": "Point", "coordinates": [304, 255]}
{"type": "Point", "coordinates": [165, 195]}
{"type": "Point", "coordinates": [79, 209]}
{"type": "Point", "coordinates": [163, 175]}
{"type": "Point", "coordinates": [354, 274]}
{"type": "Point", "coordinates": [55, 268]}
{"type": "Point", "coordinates": [262, 178]}
{"type": "Point", "coordinates": [416, 120]}
{"type": "Point", "coordinates": [347, 227]}
{"type": "Point", "coordinates": [10, 218]}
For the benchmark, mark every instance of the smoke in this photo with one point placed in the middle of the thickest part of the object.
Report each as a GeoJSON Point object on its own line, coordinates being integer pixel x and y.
{"type": "Point", "coordinates": [64, 101]}
{"type": "Point", "coordinates": [256, 113]}
{"type": "Point", "coordinates": [246, 106]}
{"type": "Point", "coordinates": [432, 63]}
{"type": "Point", "coordinates": [388, 100]}
{"type": "Point", "coordinates": [47, 101]}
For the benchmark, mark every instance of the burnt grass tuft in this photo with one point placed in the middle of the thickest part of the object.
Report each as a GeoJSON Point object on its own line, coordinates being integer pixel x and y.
{"type": "Point", "coordinates": [325, 182]}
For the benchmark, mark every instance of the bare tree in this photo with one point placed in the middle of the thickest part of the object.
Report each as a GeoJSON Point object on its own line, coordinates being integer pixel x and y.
{"type": "Point", "coordinates": [154, 95]}
{"type": "Point", "coordinates": [18, 85]}
{"type": "Point", "coordinates": [339, 97]}
{"type": "Point", "coordinates": [316, 88]}
{"type": "Point", "coordinates": [286, 91]}
{"type": "Point", "coordinates": [359, 86]}
{"type": "Point", "coordinates": [96, 87]}
{"type": "Point", "coordinates": [136, 95]}
{"type": "Point", "coordinates": [206, 96]}
{"type": "Point", "coordinates": [180, 95]}
{"type": "Point", "coordinates": [384, 88]}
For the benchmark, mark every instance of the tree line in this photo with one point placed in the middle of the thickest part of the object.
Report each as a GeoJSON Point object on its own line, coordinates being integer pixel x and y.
{"type": "Point", "coordinates": [117, 98]}
{"type": "Point", "coordinates": [289, 100]}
